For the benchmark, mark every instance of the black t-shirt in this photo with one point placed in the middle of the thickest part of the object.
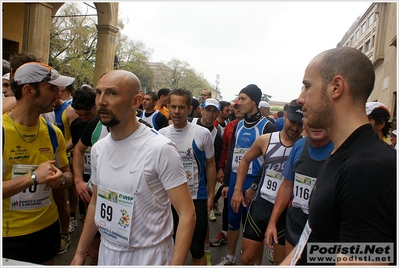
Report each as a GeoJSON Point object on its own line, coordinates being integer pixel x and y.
{"type": "Point", "coordinates": [160, 119]}
{"type": "Point", "coordinates": [354, 199]}
{"type": "Point", "coordinates": [77, 129]}
{"type": "Point", "coordinates": [272, 120]}
{"type": "Point", "coordinates": [90, 127]}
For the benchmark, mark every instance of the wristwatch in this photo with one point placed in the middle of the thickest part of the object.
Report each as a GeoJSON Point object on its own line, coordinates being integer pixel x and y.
{"type": "Point", "coordinates": [63, 179]}
{"type": "Point", "coordinates": [254, 186]}
{"type": "Point", "coordinates": [33, 176]}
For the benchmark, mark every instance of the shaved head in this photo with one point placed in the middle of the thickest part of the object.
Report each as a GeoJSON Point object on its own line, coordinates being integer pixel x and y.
{"type": "Point", "coordinates": [354, 66]}
{"type": "Point", "coordinates": [123, 79]}
{"type": "Point", "coordinates": [118, 98]}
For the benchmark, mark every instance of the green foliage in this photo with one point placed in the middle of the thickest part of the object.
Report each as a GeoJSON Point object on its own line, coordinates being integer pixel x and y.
{"type": "Point", "coordinates": [266, 97]}
{"type": "Point", "coordinates": [73, 42]}
{"type": "Point", "coordinates": [133, 56]}
{"type": "Point", "coordinates": [179, 74]}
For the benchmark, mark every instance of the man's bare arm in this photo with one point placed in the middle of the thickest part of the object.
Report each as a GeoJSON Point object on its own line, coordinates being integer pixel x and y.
{"type": "Point", "coordinates": [184, 206]}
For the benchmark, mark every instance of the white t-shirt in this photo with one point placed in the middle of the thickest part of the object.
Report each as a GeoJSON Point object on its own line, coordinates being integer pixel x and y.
{"type": "Point", "coordinates": [132, 176]}
{"type": "Point", "coordinates": [204, 150]}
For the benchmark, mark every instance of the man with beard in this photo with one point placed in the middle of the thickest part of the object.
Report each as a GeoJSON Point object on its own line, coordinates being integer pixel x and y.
{"type": "Point", "coordinates": [34, 162]}
{"type": "Point", "coordinates": [354, 199]}
{"type": "Point", "coordinates": [223, 118]}
{"type": "Point", "coordinates": [129, 190]}
{"type": "Point", "coordinates": [275, 149]}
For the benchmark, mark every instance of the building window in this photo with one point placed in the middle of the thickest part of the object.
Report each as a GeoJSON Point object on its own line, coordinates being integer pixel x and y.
{"type": "Point", "coordinates": [364, 27]}
{"type": "Point", "coordinates": [357, 35]}
{"type": "Point", "coordinates": [372, 42]}
{"type": "Point", "coordinates": [352, 42]}
{"type": "Point", "coordinates": [361, 49]}
{"type": "Point", "coordinates": [367, 46]}
{"type": "Point", "coordinates": [371, 19]}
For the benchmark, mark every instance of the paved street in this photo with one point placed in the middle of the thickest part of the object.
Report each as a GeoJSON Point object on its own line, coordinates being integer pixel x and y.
{"type": "Point", "coordinates": [217, 252]}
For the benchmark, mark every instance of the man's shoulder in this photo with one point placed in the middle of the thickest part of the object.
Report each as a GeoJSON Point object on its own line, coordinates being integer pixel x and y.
{"type": "Point", "coordinates": [201, 129]}
{"type": "Point", "coordinates": [300, 142]}
{"type": "Point", "coordinates": [46, 122]}
{"type": "Point", "coordinates": [164, 130]}
{"type": "Point", "coordinates": [159, 114]}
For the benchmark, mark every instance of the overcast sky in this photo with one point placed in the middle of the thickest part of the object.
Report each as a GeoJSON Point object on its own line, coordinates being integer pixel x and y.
{"type": "Point", "coordinates": [267, 43]}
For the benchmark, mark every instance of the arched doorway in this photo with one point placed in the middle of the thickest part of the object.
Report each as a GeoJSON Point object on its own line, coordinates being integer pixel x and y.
{"type": "Point", "coordinates": [26, 27]}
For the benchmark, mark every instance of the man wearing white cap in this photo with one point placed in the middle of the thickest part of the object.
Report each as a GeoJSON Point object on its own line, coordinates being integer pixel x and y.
{"type": "Point", "coordinates": [264, 108]}
{"type": "Point", "coordinates": [34, 162]}
{"type": "Point", "coordinates": [209, 113]}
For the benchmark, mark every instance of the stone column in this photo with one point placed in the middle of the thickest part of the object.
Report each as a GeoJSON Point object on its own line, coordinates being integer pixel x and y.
{"type": "Point", "coordinates": [105, 50]}
{"type": "Point", "coordinates": [37, 26]}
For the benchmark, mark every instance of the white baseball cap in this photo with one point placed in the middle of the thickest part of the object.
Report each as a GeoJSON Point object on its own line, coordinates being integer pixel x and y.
{"type": "Point", "coordinates": [212, 102]}
{"type": "Point", "coordinates": [264, 104]}
{"type": "Point", "coordinates": [6, 76]}
{"type": "Point", "coordinates": [36, 72]}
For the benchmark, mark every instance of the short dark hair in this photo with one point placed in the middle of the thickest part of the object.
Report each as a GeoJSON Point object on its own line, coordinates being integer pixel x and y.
{"type": "Point", "coordinates": [15, 63]}
{"type": "Point", "coordinates": [163, 92]}
{"type": "Point", "coordinates": [84, 98]}
{"type": "Point", "coordinates": [71, 87]}
{"type": "Point", "coordinates": [184, 93]}
{"type": "Point", "coordinates": [223, 104]}
{"type": "Point", "coordinates": [195, 103]}
{"type": "Point", "coordinates": [17, 89]}
{"type": "Point", "coordinates": [22, 58]}
{"type": "Point", "coordinates": [387, 126]}
{"type": "Point", "coordinates": [153, 95]}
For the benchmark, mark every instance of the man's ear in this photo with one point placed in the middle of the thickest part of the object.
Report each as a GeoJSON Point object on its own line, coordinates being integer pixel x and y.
{"type": "Point", "coordinates": [337, 86]}
{"type": "Point", "coordinates": [137, 101]}
{"type": "Point", "coordinates": [29, 90]}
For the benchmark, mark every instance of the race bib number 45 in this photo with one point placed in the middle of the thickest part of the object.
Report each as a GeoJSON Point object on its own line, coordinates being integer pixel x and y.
{"type": "Point", "coordinates": [237, 156]}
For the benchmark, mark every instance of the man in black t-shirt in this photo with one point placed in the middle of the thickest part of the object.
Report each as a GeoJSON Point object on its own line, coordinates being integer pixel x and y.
{"type": "Point", "coordinates": [84, 104]}
{"type": "Point", "coordinates": [354, 198]}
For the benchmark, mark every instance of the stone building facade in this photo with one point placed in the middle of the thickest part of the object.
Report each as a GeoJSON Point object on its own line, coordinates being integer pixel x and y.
{"type": "Point", "coordinates": [375, 33]}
